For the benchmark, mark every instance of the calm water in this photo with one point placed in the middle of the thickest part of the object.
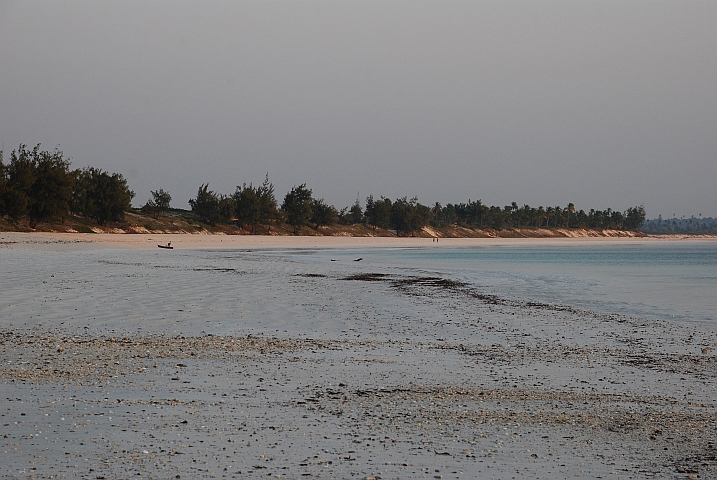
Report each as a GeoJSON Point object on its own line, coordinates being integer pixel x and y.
{"type": "Point", "coordinates": [673, 280]}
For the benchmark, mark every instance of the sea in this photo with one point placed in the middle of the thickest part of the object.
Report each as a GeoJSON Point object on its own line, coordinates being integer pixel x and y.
{"type": "Point", "coordinates": [672, 280]}
{"type": "Point", "coordinates": [237, 290]}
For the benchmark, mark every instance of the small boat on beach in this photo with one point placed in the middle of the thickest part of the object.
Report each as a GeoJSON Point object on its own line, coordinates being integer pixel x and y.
{"type": "Point", "coordinates": [168, 245]}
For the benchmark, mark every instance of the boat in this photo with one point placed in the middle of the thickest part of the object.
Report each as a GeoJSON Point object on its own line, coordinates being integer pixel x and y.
{"type": "Point", "coordinates": [168, 245]}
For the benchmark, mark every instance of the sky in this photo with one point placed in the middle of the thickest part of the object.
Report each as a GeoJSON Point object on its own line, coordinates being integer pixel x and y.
{"type": "Point", "coordinates": [608, 103]}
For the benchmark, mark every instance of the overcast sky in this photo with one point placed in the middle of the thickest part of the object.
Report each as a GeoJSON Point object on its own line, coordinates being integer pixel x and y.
{"type": "Point", "coordinates": [599, 103]}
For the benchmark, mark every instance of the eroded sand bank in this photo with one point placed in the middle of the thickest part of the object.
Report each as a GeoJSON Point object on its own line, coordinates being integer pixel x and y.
{"type": "Point", "coordinates": [131, 363]}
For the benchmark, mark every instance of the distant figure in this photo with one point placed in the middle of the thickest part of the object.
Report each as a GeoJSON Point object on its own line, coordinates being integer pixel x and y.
{"type": "Point", "coordinates": [169, 244]}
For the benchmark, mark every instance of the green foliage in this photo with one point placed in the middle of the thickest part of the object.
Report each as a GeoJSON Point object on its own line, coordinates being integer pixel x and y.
{"type": "Point", "coordinates": [226, 209]}
{"type": "Point", "coordinates": [634, 218]}
{"type": "Point", "coordinates": [40, 185]}
{"type": "Point", "coordinates": [20, 175]}
{"type": "Point", "coordinates": [255, 205]}
{"type": "Point", "coordinates": [477, 215]}
{"type": "Point", "coordinates": [158, 204]}
{"type": "Point", "coordinates": [408, 216]}
{"type": "Point", "coordinates": [101, 196]}
{"type": "Point", "coordinates": [322, 214]}
{"type": "Point", "coordinates": [570, 209]}
{"type": "Point", "coordinates": [378, 212]}
{"type": "Point", "coordinates": [206, 205]}
{"type": "Point", "coordinates": [247, 206]}
{"type": "Point", "coordinates": [496, 217]}
{"type": "Point", "coordinates": [354, 215]}
{"type": "Point", "coordinates": [297, 206]}
{"type": "Point", "coordinates": [692, 225]}
{"type": "Point", "coordinates": [268, 211]}
{"type": "Point", "coordinates": [471, 214]}
{"type": "Point", "coordinates": [52, 190]}
{"type": "Point", "coordinates": [35, 183]}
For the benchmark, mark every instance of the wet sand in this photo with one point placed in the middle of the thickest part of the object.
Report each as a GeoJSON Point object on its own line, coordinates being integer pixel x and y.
{"type": "Point", "coordinates": [119, 360]}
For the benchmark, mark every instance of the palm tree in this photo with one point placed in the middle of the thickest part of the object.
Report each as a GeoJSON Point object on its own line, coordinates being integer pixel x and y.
{"type": "Point", "coordinates": [549, 213]}
{"type": "Point", "coordinates": [570, 209]}
{"type": "Point", "coordinates": [526, 215]}
{"type": "Point", "coordinates": [437, 209]}
{"type": "Point", "coordinates": [541, 215]}
{"type": "Point", "coordinates": [508, 212]}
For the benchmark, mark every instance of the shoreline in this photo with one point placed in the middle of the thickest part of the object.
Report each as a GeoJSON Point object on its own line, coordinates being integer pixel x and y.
{"type": "Point", "coordinates": [218, 241]}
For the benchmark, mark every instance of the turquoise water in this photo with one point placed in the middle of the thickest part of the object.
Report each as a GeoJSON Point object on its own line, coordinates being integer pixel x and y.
{"type": "Point", "coordinates": [671, 280]}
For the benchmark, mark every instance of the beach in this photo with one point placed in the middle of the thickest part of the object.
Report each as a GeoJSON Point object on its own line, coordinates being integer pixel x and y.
{"type": "Point", "coordinates": [273, 357]}
{"type": "Point", "coordinates": [46, 240]}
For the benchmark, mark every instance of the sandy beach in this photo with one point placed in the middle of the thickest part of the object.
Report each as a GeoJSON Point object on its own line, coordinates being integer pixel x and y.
{"type": "Point", "coordinates": [247, 357]}
{"type": "Point", "coordinates": [189, 241]}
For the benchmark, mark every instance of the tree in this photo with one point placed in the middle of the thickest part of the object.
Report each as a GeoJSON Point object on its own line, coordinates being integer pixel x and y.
{"type": "Point", "coordinates": [497, 217]}
{"type": "Point", "coordinates": [558, 211]}
{"type": "Point", "coordinates": [617, 219]}
{"type": "Point", "coordinates": [36, 183]}
{"type": "Point", "coordinates": [51, 192]}
{"type": "Point", "coordinates": [226, 209]}
{"type": "Point", "coordinates": [20, 175]}
{"type": "Point", "coordinates": [247, 206]}
{"type": "Point", "coordinates": [437, 214]}
{"type": "Point", "coordinates": [568, 210]}
{"type": "Point", "coordinates": [206, 205]}
{"type": "Point", "coordinates": [267, 202]}
{"type": "Point", "coordinates": [159, 203]}
{"type": "Point", "coordinates": [508, 215]}
{"type": "Point", "coordinates": [474, 212]}
{"type": "Point", "coordinates": [634, 218]}
{"type": "Point", "coordinates": [322, 214]}
{"type": "Point", "coordinates": [255, 205]}
{"type": "Point", "coordinates": [101, 196]}
{"type": "Point", "coordinates": [297, 206]}
{"type": "Point", "coordinates": [549, 211]}
{"type": "Point", "coordinates": [354, 215]}
{"type": "Point", "coordinates": [408, 216]}
{"type": "Point", "coordinates": [378, 212]}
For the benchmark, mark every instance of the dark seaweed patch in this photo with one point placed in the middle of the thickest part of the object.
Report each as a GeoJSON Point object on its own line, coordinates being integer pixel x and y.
{"type": "Point", "coordinates": [428, 282]}
{"type": "Point", "coordinates": [215, 269]}
{"type": "Point", "coordinates": [367, 277]}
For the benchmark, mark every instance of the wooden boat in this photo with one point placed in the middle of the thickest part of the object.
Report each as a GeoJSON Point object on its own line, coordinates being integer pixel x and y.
{"type": "Point", "coordinates": [169, 246]}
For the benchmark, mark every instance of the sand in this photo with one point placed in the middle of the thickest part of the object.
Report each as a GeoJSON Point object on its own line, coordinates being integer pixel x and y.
{"type": "Point", "coordinates": [241, 357]}
{"type": "Point", "coordinates": [207, 241]}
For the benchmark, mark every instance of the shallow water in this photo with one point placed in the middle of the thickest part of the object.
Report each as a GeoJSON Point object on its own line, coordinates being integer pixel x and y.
{"type": "Point", "coordinates": [201, 290]}
{"type": "Point", "coordinates": [673, 281]}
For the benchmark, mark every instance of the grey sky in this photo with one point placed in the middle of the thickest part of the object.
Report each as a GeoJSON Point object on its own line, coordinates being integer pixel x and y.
{"type": "Point", "coordinates": [599, 103]}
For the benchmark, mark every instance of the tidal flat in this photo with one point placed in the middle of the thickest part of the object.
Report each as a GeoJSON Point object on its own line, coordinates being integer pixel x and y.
{"type": "Point", "coordinates": [281, 363]}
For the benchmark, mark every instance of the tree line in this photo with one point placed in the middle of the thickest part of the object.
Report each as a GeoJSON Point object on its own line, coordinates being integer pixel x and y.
{"type": "Point", "coordinates": [252, 207]}
{"type": "Point", "coordinates": [691, 226]}
{"type": "Point", "coordinates": [41, 186]}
